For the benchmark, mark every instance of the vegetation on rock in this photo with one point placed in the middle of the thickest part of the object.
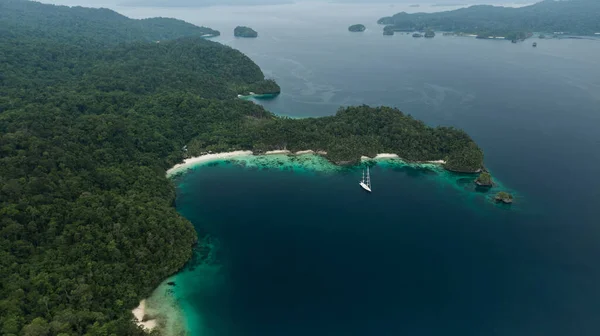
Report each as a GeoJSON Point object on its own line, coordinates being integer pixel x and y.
{"type": "Point", "coordinates": [484, 180]}
{"type": "Point", "coordinates": [357, 28]}
{"type": "Point", "coordinates": [504, 197]}
{"type": "Point", "coordinates": [267, 86]}
{"type": "Point", "coordinates": [242, 31]}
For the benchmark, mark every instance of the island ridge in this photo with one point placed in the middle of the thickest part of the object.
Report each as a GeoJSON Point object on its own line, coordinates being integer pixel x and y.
{"type": "Point", "coordinates": [574, 17]}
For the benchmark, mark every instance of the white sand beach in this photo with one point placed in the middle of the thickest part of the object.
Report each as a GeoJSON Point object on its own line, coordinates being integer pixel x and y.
{"type": "Point", "coordinates": [139, 313]}
{"type": "Point", "coordinates": [187, 163]}
{"type": "Point", "coordinates": [281, 151]}
{"type": "Point", "coordinates": [191, 162]}
{"type": "Point", "coordinates": [162, 310]}
{"type": "Point", "coordinates": [387, 156]}
{"type": "Point", "coordinates": [383, 156]}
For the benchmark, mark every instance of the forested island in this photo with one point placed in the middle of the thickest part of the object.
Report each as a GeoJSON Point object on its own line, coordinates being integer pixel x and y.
{"type": "Point", "coordinates": [242, 31]}
{"type": "Point", "coordinates": [357, 28]}
{"type": "Point", "coordinates": [484, 180]}
{"type": "Point", "coordinates": [90, 119]}
{"type": "Point", "coordinates": [574, 17]}
{"type": "Point", "coordinates": [504, 197]}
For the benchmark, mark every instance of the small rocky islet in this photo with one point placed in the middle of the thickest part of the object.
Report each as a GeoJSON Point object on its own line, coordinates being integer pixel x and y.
{"type": "Point", "coordinates": [357, 28]}
{"type": "Point", "coordinates": [484, 180]}
{"type": "Point", "coordinates": [243, 31]}
{"type": "Point", "coordinates": [503, 197]}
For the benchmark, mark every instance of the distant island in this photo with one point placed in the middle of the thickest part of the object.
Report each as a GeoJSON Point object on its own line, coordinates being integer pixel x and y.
{"type": "Point", "coordinates": [574, 17]}
{"type": "Point", "coordinates": [242, 31]}
{"type": "Point", "coordinates": [357, 28]}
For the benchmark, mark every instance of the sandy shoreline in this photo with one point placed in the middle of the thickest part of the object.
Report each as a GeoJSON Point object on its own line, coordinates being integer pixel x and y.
{"type": "Point", "coordinates": [275, 152]}
{"type": "Point", "coordinates": [187, 163]}
{"type": "Point", "coordinates": [139, 312]}
{"type": "Point", "coordinates": [190, 162]}
{"type": "Point", "coordinates": [162, 311]}
{"type": "Point", "coordinates": [387, 156]}
{"type": "Point", "coordinates": [384, 156]}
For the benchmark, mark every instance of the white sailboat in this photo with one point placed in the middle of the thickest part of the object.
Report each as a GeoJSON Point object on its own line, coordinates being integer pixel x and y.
{"type": "Point", "coordinates": [366, 184]}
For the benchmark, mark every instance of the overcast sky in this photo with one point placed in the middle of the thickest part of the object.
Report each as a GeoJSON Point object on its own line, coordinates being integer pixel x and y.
{"type": "Point", "coordinates": [200, 3]}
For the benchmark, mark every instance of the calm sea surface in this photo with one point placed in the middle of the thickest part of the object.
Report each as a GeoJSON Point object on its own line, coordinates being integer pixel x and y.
{"type": "Point", "coordinates": [304, 253]}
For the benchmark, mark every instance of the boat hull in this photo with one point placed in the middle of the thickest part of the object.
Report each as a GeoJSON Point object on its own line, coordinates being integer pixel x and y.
{"type": "Point", "coordinates": [364, 186]}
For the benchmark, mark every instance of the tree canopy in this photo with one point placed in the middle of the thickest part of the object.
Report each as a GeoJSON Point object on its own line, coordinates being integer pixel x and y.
{"type": "Point", "coordinates": [88, 26]}
{"type": "Point", "coordinates": [577, 17]}
{"type": "Point", "coordinates": [484, 179]}
{"type": "Point", "coordinates": [243, 31]}
{"type": "Point", "coordinates": [350, 134]}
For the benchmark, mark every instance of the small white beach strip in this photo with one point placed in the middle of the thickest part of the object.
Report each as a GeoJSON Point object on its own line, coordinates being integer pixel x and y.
{"type": "Point", "coordinates": [387, 156]}
{"type": "Point", "coordinates": [383, 156]}
{"type": "Point", "coordinates": [281, 151]}
{"type": "Point", "coordinates": [187, 163]}
{"type": "Point", "coordinates": [139, 313]}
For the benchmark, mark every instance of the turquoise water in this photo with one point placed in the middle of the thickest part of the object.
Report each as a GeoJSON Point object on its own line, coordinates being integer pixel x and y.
{"type": "Point", "coordinates": [303, 251]}
{"type": "Point", "coordinates": [299, 250]}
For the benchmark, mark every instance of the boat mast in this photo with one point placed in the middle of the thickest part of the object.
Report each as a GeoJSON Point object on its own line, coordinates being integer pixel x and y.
{"type": "Point", "coordinates": [368, 178]}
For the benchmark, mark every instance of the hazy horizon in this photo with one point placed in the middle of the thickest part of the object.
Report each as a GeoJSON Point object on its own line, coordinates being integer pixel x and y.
{"type": "Point", "coordinates": [207, 3]}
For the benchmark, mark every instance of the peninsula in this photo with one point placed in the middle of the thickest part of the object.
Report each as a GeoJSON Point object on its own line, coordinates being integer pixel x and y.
{"type": "Point", "coordinates": [572, 17]}
{"type": "Point", "coordinates": [242, 31]}
{"type": "Point", "coordinates": [357, 28]}
{"type": "Point", "coordinates": [89, 226]}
